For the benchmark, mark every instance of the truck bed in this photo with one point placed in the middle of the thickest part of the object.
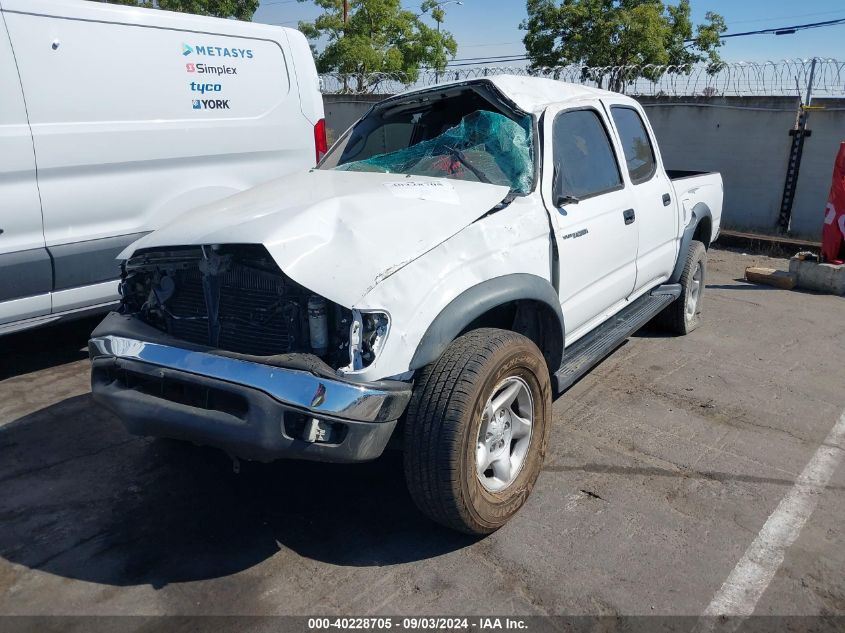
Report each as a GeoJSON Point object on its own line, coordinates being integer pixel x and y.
{"type": "Point", "coordinates": [693, 188]}
{"type": "Point", "coordinates": [679, 174]}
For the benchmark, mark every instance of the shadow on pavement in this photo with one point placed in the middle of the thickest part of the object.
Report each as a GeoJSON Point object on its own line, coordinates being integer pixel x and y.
{"type": "Point", "coordinates": [40, 348]}
{"type": "Point", "coordinates": [741, 285]}
{"type": "Point", "coordinates": [81, 499]}
{"type": "Point", "coordinates": [744, 284]}
{"type": "Point", "coordinates": [652, 330]}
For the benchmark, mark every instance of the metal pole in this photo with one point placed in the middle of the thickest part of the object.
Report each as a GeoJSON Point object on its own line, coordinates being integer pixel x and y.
{"type": "Point", "coordinates": [812, 81]}
{"type": "Point", "coordinates": [793, 167]}
{"type": "Point", "coordinates": [437, 72]}
{"type": "Point", "coordinates": [345, 21]}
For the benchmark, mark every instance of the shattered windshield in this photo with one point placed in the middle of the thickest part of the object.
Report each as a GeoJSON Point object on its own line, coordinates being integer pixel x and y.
{"type": "Point", "coordinates": [484, 147]}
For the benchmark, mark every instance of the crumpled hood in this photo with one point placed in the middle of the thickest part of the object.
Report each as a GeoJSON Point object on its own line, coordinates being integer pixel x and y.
{"type": "Point", "coordinates": [336, 233]}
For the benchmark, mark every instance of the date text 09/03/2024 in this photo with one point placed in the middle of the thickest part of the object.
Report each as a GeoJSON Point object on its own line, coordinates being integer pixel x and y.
{"type": "Point", "coordinates": [421, 623]}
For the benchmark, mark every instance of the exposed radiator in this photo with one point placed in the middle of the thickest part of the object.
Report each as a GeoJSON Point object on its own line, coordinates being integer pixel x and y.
{"type": "Point", "coordinates": [259, 313]}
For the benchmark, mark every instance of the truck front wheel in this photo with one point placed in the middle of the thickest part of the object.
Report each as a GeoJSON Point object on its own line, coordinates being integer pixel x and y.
{"type": "Point", "coordinates": [476, 430]}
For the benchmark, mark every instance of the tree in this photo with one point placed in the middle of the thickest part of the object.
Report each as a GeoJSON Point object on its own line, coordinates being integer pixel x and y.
{"type": "Point", "coordinates": [379, 36]}
{"type": "Point", "coordinates": [239, 9]}
{"type": "Point", "coordinates": [624, 38]}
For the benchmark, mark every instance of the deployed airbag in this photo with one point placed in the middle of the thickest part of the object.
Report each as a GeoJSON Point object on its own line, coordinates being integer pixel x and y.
{"type": "Point", "coordinates": [485, 146]}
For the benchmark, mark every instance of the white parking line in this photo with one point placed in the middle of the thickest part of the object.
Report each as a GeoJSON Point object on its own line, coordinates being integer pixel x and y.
{"type": "Point", "coordinates": [742, 590]}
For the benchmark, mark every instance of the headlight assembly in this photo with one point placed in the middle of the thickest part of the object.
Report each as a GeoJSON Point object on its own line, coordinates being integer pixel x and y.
{"type": "Point", "coordinates": [367, 335]}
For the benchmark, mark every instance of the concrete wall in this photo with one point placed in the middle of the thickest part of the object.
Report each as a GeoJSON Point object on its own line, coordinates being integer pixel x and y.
{"type": "Point", "coordinates": [816, 173]}
{"type": "Point", "coordinates": [745, 138]}
{"type": "Point", "coordinates": [343, 110]}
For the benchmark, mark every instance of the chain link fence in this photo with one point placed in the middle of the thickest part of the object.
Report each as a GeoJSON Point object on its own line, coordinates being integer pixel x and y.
{"type": "Point", "coordinates": [774, 78]}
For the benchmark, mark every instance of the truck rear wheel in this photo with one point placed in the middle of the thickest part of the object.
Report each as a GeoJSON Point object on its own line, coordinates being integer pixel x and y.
{"type": "Point", "coordinates": [684, 314]}
{"type": "Point", "coordinates": [476, 430]}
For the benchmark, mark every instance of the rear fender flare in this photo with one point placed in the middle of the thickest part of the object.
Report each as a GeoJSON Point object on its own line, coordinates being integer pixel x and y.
{"type": "Point", "coordinates": [699, 212]}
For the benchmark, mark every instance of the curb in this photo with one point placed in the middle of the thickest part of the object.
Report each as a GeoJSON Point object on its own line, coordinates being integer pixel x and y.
{"type": "Point", "coordinates": [771, 245]}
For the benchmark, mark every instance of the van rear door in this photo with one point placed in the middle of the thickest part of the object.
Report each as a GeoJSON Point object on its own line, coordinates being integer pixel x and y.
{"type": "Point", "coordinates": [26, 276]}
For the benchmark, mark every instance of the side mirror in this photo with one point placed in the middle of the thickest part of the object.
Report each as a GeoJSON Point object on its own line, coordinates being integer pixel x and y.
{"type": "Point", "coordinates": [562, 199]}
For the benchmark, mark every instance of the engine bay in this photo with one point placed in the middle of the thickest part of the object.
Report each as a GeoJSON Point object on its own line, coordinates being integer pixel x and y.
{"type": "Point", "coordinates": [233, 298]}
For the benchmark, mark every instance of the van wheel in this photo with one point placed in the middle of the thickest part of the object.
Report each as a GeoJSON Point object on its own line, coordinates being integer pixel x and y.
{"type": "Point", "coordinates": [684, 314]}
{"type": "Point", "coordinates": [476, 430]}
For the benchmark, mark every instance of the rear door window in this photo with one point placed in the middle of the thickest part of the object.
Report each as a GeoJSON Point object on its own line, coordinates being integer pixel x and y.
{"type": "Point", "coordinates": [584, 162]}
{"type": "Point", "coordinates": [639, 153]}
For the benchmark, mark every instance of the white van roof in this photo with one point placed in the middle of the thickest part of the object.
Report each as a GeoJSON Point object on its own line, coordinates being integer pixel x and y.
{"type": "Point", "coordinates": [142, 16]}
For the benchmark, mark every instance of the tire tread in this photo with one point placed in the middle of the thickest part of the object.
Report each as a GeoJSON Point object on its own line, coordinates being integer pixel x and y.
{"type": "Point", "coordinates": [673, 317]}
{"type": "Point", "coordinates": [444, 389]}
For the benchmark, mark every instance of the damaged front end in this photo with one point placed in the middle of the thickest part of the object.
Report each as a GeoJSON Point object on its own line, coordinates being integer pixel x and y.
{"type": "Point", "coordinates": [235, 298]}
{"type": "Point", "coordinates": [216, 345]}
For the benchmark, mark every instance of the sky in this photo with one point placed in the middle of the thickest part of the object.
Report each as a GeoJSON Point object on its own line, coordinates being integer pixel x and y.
{"type": "Point", "coordinates": [485, 28]}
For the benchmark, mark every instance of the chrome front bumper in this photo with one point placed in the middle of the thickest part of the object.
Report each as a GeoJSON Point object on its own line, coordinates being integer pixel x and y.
{"type": "Point", "coordinates": [159, 388]}
{"type": "Point", "coordinates": [291, 387]}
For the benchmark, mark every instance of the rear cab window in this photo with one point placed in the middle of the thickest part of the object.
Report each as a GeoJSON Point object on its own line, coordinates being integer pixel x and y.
{"type": "Point", "coordinates": [636, 143]}
{"type": "Point", "coordinates": [584, 162]}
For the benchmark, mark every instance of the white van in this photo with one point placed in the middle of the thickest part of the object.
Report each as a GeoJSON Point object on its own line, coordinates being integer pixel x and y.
{"type": "Point", "coordinates": [115, 119]}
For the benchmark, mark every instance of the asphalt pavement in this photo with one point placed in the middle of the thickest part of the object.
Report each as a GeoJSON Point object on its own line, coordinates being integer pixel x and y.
{"type": "Point", "coordinates": [665, 463]}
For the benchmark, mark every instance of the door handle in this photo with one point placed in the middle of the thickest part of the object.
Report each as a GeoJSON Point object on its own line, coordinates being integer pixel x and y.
{"type": "Point", "coordinates": [667, 199]}
{"type": "Point", "coordinates": [629, 216]}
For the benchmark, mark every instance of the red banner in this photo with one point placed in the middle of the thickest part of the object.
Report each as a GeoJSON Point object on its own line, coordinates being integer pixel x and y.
{"type": "Point", "coordinates": [833, 233]}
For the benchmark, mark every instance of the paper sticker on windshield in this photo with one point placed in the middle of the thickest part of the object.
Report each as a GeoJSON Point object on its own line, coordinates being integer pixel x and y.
{"type": "Point", "coordinates": [424, 190]}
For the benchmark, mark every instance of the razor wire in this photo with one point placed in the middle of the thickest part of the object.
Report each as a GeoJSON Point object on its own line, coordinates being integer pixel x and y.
{"type": "Point", "coordinates": [788, 77]}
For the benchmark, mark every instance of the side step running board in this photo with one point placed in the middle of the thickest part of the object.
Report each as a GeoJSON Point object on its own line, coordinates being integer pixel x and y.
{"type": "Point", "coordinates": [587, 352]}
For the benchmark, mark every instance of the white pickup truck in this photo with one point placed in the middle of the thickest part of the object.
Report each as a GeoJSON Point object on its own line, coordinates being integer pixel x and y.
{"type": "Point", "coordinates": [463, 254]}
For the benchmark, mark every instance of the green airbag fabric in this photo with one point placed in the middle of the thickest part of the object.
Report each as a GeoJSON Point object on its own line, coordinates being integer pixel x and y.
{"type": "Point", "coordinates": [497, 147]}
